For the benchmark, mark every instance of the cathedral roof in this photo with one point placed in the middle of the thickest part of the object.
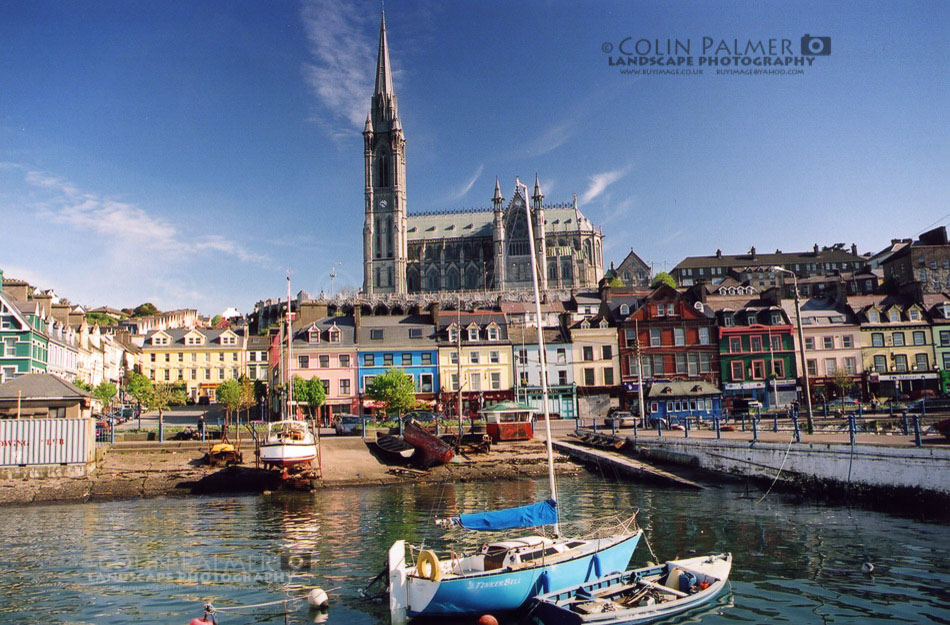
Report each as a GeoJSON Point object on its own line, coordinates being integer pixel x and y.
{"type": "Point", "coordinates": [479, 222]}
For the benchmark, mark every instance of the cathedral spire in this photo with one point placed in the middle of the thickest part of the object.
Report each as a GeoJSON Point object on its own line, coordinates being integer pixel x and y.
{"type": "Point", "coordinates": [537, 187]}
{"type": "Point", "coordinates": [497, 195]}
{"type": "Point", "coordinates": [384, 75]}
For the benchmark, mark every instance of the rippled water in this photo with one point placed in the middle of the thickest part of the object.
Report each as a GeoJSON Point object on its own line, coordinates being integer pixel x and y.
{"type": "Point", "coordinates": [156, 561]}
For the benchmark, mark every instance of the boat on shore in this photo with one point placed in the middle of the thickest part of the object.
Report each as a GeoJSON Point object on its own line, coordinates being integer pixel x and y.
{"type": "Point", "coordinates": [394, 447]}
{"type": "Point", "coordinates": [639, 595]}
{"type": "Point", "coordinates": [288, 443]}
{"type": "Point", "coordinates": [431, 449]}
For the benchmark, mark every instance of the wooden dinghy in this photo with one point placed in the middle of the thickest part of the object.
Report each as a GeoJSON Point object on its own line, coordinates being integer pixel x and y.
{"type": "Point", "coordinates": [638, 596]}
{"type": "Point", "coordinates": [394, 446]}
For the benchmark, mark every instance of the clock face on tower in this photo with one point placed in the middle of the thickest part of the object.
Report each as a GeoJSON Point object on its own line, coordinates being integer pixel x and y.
{"type": "Point", "coordinates": [383, 204]}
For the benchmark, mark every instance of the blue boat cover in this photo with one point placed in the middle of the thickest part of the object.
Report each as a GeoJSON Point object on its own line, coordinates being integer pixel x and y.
{"type": "Point", "coordinates": [541, 513]}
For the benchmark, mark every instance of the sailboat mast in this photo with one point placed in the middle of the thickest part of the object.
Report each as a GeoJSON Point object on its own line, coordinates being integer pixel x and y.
{"type": "Point", "coordinates": [636, 326]}
{"type": "Point", "coordinates": [290, 338]}
{"type": "Point", "coordinates": [458, 361]}
{"type": "Point", "coordinates": [543, 359]}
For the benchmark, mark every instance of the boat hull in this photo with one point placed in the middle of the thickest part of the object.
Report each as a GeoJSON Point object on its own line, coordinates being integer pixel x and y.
{"type": "Point", "coordinates": [432, 449]}
{"type": "Point", "coordinates": [507, 590]}
{"type": "Point", "coordinates": [551, 609]}
{"type": "Point", "coordinates": [288, 454]}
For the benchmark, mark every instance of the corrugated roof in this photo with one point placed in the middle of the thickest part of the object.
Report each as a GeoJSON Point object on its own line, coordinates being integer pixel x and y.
{"type": "Point", "coordinates": [35, 386]}
{"type": "Point", "coordinates": [682, 388]}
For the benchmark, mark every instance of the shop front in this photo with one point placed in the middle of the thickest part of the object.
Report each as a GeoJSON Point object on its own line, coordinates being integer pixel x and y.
{"type": "Point", "coordinates": [902, 385]}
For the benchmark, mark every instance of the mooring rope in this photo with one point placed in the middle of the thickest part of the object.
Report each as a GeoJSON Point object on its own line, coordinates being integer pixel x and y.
{"type": "Point", "coordinates": [212, 609]}
{"type": "Point", "coordinates": [787, 449]}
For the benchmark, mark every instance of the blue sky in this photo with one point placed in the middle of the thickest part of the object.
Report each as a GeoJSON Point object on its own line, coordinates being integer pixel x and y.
{"type": "Point", "coordinates": [190, 153]}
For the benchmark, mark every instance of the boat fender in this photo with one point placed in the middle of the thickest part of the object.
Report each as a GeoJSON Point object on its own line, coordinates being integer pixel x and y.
{"type": "Point", "coordinates": [428, 565]}
{"type": "Point", "coordinates": [318, 598]}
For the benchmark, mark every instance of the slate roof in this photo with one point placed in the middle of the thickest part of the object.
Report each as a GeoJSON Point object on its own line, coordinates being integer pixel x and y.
{"type": "Point", "coordinates": [782, 258]}
{"type": "Point", "coordinates": [344, 324]}
{"type": "Point", "coordinates": [36, 386]}
{"type": "Point", "coordinates": [480, 222]}
{"type": "Point", "coordinates": [682, 388]}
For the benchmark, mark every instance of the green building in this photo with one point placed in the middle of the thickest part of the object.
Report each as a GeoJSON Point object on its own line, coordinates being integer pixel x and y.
{"type": "Point", "coordinates": [24, 343]}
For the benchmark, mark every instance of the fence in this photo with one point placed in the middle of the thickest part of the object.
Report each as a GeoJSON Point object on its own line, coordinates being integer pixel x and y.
{"type": "Point", "coordinates": [25, 442]}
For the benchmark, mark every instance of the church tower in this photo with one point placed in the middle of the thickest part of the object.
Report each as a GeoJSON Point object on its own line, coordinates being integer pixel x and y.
{"type": "Point", "coordinates": [385, 246]}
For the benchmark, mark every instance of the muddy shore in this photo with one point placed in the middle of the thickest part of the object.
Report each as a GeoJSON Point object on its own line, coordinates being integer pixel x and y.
{"type": "Point", "coordinates": [161, 470]}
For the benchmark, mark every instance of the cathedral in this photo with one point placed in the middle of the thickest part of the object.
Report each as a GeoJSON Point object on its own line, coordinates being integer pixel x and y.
{"type": "Point", "coordinates": [475, 250]}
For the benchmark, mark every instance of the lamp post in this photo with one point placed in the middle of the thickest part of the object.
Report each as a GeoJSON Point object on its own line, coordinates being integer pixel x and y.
{"type": "Point", "coordinates": [801, 341]}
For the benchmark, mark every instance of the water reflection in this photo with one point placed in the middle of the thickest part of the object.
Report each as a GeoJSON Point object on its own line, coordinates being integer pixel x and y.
{"type": "Point", "coordinates": [159, 560]}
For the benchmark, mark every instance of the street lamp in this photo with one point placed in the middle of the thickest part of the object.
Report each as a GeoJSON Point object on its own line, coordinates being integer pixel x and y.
{"type": "Point", "coordinates": [801, 342]}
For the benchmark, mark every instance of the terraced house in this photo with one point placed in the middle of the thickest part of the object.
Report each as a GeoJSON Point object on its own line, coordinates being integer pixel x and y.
{"type": "Point", "coordinates": [475, 344]}
{"type": "Point", "coordinates": [326, 349]}
{"type": "Point", "coordinates": [896, 345]}
{"type": "Point", "coordinates": [938, 309]}
{"type": "Point", "coordinates": [201, 359]}
{"type": "Point", "coordinates": [23, 337]}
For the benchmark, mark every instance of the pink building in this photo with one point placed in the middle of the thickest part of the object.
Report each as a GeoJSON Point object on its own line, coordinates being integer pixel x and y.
{"type": "Point", "coordinates": [326, 349]}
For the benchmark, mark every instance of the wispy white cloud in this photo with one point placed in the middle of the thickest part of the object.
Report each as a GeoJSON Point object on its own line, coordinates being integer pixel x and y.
{"type": "Point", "coordinates": [343, 58]}
{"type": "Point", "coordinates": [552, 138]}
{"type": "Point", "coordinates": [463, 190]}
{"type": "Point", "coordinates": [598, 183]}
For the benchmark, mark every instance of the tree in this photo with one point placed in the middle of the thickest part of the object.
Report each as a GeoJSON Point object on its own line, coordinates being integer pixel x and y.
{"type": "Point", "coordinates": [248, 397]}
{"type": "Point", "coordinates": [161, 398]}
{"type": "Point", "coordinates": [229, 394]}
{"type": "Point", "coordinates": [82, 385]}
{"type": "Point", "coordinates": [105, 393]}
{"type": "Point", "coordinates": [396, 389]}
{"type": "Point", "coordinates": [138, 387]}
{"type": "Point", "coordinates": [309, 392]}
{"type": "Point", "coordinates": [842, 381]}
{"type": "Point", "coordinates": [615, 282]}
{"type": "Point", "coordinates": [215, 321]}
{"type": "Point", "coordinates": [145, 310]}
{"type": "Point", "coordinates": [663, 278]}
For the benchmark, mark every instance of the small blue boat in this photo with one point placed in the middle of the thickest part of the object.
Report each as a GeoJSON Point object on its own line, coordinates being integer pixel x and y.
{"type": "Point", "coordinates": [637, 596]}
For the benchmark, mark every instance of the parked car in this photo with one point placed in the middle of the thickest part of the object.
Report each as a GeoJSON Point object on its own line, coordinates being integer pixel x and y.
{"type": "Point", "coordinates": [930, 405]}
{"type": "Point", "coordinates": [621, 418]}
{"type": "Point", "coordinates": [204, 401]}
{"type": "Point", "coordinates": [347, 424]}
{"type": "Point", "coordinates": [924, 393]}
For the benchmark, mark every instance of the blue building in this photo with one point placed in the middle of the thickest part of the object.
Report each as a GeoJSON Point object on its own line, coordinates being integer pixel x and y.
{"type": "Point", "coordinates": [405, 342]}
{"type": "Point", "coordinates": [677, 399]}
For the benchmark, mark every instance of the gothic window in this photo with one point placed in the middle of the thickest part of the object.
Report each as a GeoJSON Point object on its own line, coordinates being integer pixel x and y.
{"type": "Point", "coordinates": [452, 279]}
{"type": "Point", "coordinates": [389, 276]}
{"type": "Point", "coordinates": [588, 252]}
{"type": "Point", "coordinates": [567, 271]}
{"type": "Point", "coordinates": [389, 237]}
{"type": "Point", "coordinates": [376, 281]}
{"type": "Point", "coordinates": [382, 173]}
{"type": "Point", "coordinates": [471, 278]}
{"type": "Point", "coordinates": [377, 246]}
{"type": "Point", "coordinates": [552, 270]}
{"type": "Point", "coordinates": [432, 279]}
{"type": "Point", "coordinates": [412, 280]}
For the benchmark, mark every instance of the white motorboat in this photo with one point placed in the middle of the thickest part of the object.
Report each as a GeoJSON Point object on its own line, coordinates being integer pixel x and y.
{"type": "Point", "coordinates": [288, 443]}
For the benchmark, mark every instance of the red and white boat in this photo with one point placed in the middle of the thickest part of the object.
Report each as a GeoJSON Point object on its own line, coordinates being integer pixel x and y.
{"type": "Point", "coordinates": [288, 443]}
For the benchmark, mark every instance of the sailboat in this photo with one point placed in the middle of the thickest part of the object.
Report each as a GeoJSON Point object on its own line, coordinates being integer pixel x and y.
{"type": "Point", "coordinates": [288, 443]}
{"type": "Point", "coordinates": [502, 576]}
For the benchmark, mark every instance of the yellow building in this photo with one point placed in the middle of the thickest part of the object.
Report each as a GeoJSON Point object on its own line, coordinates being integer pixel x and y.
{"type": "Point", "coordinates": [201, 359]}
{"type": "Point", "coordinates": [896, 345]}
{"type": "Point", "coordinates": [486, 360]}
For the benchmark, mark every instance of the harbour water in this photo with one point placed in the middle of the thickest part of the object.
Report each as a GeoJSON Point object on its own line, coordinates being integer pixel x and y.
{"type": "Point", "coordinates": [156, 561]}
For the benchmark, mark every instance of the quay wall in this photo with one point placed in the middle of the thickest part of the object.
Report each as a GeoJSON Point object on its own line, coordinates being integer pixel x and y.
{"type": "Point", "coordinates": [921, 470]}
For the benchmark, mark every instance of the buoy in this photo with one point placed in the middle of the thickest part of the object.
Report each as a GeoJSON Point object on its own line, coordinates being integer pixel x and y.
{"type": "Point", "coordinates": [867, 567]}
{"type": "Point", "coordinates": [318, 598]}
{"type": "Point", "coordinates": [199, 621]}
{"type": "Point", "coordinates": [487, 619]}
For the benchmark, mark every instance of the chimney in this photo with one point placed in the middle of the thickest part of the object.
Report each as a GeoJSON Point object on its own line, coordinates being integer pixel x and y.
{"type": "Point", "coordinates": [854, 249]}
{"type": "Point", "coordinates": [752, 251]}
{"type": "Point", "coordinates": [815, 249]}
{"type": "Point", "coordinates": [357, 313]}
{"type": "Point", "coordinates": [718, 253]}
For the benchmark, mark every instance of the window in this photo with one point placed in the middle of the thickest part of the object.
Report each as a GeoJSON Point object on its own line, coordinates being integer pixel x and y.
{"type": "Point", "coordinates": [220, 357]}
{"type": "Point", "coordinates": [303, 362]}
{"type": "Point", "coordinates": [208, 373]}
{"type": "Point", "coordinates": [880, 363]}
{"type": "Point", "coordinates": [387, 359]}
{"type": "Point", "coordinates": [473, 357]}
{"type": "Point", "coordinates": [646, 364]}
{"type": "Point", "coordinates": [900, 362]}
{"type": "Point", "coordinates": [758, 369]}
{"type": "Point", "coordinates": [494, 358]}
{"type": "Point", "coordinates": [368, 381]}
{"type": "Point", "coordinates": [655, 337]}
{"type": "Point", "coordinates": [669, 310]}
{"type": "Point", "coordinates": [660, 310]}
{"type": "Point", "coordinates": [894, 316]}
{"type": "Point", "coordinates": [693, 365]}
{"type": "Point", "coordinates": [847, 341]}
{"type": "Point", "coordinates": [679, 336]}
{"type": "Point", "coordinates": [606, 352]}
{"type": "Point", "coordinates": [168, 357]}
{"type": "Point", "coordinates": [919, 337]}
{"type": "Point", "coordinates": [221, 373]}
{"type": "Point", "coordinates": [492, 333]}
{"type": "Point", "coordinates": [454, 381]}
{"type": "Point", "coordinates": [829, 342]}
{"type": "Point", "coordinates": [326, 386]}
{"type": "Point", "coordinates": [344, 361]}
{"type": "Point", "coordinates": [946, 361]}
{"type": "Point", "coordinates": [877, 339]}
{"type": "Point", "coordinates": [425, 358]}
{"type": "Point", "coordinates": [898, 339]}
{"type": "Point", "coordinates": [776, 318]}
{"type": "Point", "coordinates": [704, 336]}
{"type": "Point", "coordinates": [324, 361]}
{"type": "Point", "coordinates": [756, 343]}
{"type": "Point", "coordinates": [561, 355]}
{"type": "Point", "coordinates": [831, 366]}
{"type": "Point", "coordinates": [659, 365]}
{"type": "Point", "coordinates": [812, 365]}
{"type": "Point", "coordinates": [194, 374]}
{"type": "Point", "coordinates": [850, 365]}
{"type": "Point", "coordinates": [921, 361]}
{"type": "Point", "coordinates": [474, 381]}
{"type": "Point", "coordinates": [369, 360]}
{"type": "Point", "coordinates": [405, 359]}
{"type": "Point", "coordinates": [167, 375]}
{"type": "Point", "coordinates": [453, 335]}
{"type": "Point", "coordinates": [737, 370]}
{"type": "Point", "coordinates": [945, 338]}
{"type": "Point", "coordinates": [415, 333]}
{"type": "Point", "coordinates": [252, 356]}
{"type": "Point", "coordinates": [735, 344]}
{"type": "Point", "coordinates": [624, 310]}
{"type": "Point", "coordinates": [705, 363]}
{"type": "Point", "coordinates": [874, 316]}
{"type": "Point", "coordinates": [913, 314]}
{"type": "Point", "coordinates": [778, 368]}
{"type": "Point", "coordinates": [523, 378]}
{"type": "Point", "coordinates": [376, 334]}
{"type": "Point", "coordinates": [495, 380]}
{"type": "Point", "coordinates": [453, 358]}
{"type": "Point", "coordinates": [776, 343]}
{"type": "Point", "coordinates": [728, 320]}
{"type": "Point", "coordinates": [588, 376]}
{"type": "Point", "coordinates": [425, 382]}
{"type": "Point", "coordinates": [473, 333]}
{"type": "Point", "coordinates": [562, 377]}
{"type": "Point", "coordinates": [681, 363]}
{"type": "Point", "coordinates": [588, 353]}
{"type": "Point", "coordinates": [630, 336]}
{"type": "Point", "coordinates": [344, 386]}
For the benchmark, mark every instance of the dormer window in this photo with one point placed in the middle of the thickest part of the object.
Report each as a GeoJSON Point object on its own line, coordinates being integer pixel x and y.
{"type": "Point", "coordinates": [661, 310]}
{"type": "Point", "coordinates": [585, 325]}
{"type": "Point", "coordinates": [335, 335]}
{"type": "Point", "coordinates": [946, 310]}
{"type": "Point", "coordinates": [913, 314]}
{"type": "Point", "coordinates": [473, 333]}
{"type": "Point", "coordinates": [376, 334]}
{"type": "Point", "coordinates": [894, 316]}
{"type": "Point", "coordinates": [728, 320]}
{"type": "Point", "coordinates": [776, 318]}
{"type": "Point", "coordinates": [415, 333]}
{"type": "Point", "coordinates": [874, 316]}
{"type": "Point", "coordinates": [669, 310]}
{"type": "Point", "coordinates": [492, 332]}
{"type": "Point", "coordinates": [227, 339]}
{"type": "Point", "coordinates": [313, 336]}
{"type": "Point", "coordinates": [603, 323]}
{"type": "Point", "coordinates": [453, 334]}
{"type": "Point", "coordinates": [624, 310]}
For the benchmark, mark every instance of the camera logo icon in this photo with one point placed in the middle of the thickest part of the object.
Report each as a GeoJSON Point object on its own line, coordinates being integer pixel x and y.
{"type": "Point", "coordinates": [816, 46]}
